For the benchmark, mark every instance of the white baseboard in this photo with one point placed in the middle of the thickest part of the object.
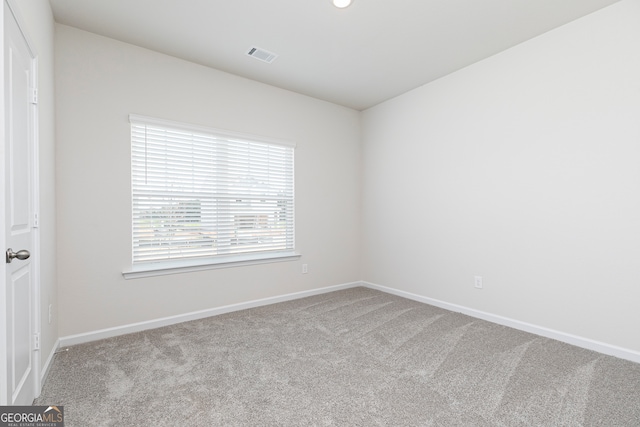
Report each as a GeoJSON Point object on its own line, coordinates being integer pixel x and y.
{"type": "Point", "coordinates": [47, 365]}
{"type": "Point", "coordinates": [44, 372]}
{"type": "Point", "coordinates": [600, 347]}
{"type": "Point", "coordinates": [172, 320]}
{"type": "Point", "coordinates": [578, 341]}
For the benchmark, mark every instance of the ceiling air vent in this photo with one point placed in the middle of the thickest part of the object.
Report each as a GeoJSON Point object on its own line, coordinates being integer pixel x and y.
{"type": "Point", "coordinates": [262, 55]}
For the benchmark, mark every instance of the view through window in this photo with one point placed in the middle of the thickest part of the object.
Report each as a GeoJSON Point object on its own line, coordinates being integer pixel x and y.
{"type": "Point", "coordinates": [202, 193]}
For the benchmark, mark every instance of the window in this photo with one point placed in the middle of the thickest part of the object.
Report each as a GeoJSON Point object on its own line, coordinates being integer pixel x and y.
{"type": "Point", "coordinates": [210, 196]}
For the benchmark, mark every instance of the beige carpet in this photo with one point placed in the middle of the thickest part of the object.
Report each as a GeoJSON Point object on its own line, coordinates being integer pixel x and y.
{"type": "Point", "coordinates": [356, 357]}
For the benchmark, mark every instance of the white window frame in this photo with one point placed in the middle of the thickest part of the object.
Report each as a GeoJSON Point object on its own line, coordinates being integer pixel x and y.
{"type": "Point", "coordinates": [153, 267]}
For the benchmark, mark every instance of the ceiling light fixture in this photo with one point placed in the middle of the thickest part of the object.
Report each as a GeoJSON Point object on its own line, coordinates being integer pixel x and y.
{"type": "Point", "coordinates": [341, 3]}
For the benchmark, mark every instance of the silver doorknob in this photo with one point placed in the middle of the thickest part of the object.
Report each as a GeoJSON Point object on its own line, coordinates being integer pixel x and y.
{"type": "Point", "coordinates": [23, 254]}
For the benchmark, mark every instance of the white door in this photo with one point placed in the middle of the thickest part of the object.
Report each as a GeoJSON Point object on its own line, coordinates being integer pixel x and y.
{"type": "Point", "coordinates": [18, 295]}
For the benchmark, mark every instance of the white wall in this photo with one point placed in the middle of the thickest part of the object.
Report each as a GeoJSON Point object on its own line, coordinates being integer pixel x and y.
{"type": "Point", "coordinates": [99, 82]}
{"type": "Point", "coordinates": [39, 23]}
{"type": "Point", "coordinates": [524, 169]}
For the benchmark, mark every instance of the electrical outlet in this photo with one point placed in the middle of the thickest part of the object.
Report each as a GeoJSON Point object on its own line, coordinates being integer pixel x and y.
{"type": "Point", "coordinates": [305, 268]}
{"type": "Point", "coordinates": [477, 282]}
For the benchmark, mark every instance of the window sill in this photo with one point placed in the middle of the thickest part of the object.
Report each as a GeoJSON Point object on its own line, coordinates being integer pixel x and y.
{"type": "Point", "coordinates": [187, 266]}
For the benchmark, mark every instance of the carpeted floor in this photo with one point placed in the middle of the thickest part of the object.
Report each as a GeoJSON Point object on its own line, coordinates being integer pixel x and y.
{"type": "Point", "coordinates": [356, 357]}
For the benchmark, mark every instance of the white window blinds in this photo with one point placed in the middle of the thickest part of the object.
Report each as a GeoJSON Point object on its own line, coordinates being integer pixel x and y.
{"type": "Point", "coordinates": [200, 193]}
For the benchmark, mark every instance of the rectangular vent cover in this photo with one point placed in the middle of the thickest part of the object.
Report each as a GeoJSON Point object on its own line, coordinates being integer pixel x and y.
{"type": "Point", "coordinates": [262, 55]}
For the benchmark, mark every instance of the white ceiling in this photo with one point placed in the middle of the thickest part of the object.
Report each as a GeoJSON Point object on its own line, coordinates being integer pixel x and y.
{"type": "Point", "coordinates": [357, 57]}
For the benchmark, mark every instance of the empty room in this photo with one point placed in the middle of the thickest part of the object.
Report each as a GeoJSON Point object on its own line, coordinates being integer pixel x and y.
{"type": "Point", "coordinates": [321, 213]}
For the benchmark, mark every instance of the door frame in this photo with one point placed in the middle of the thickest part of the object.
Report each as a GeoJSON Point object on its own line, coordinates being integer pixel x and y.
{"type": "Point", "coordinates": [12, 6]}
